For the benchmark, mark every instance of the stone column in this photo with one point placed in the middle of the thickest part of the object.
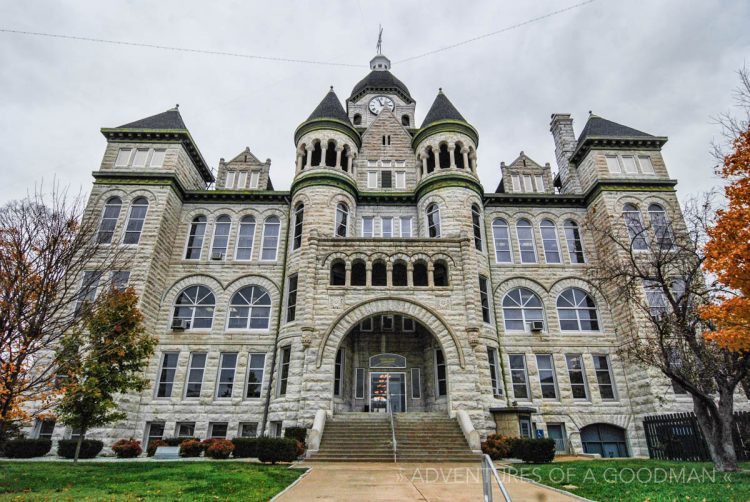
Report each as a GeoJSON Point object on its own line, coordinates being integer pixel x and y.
{"type": "Point", "coordinates": [368, 273]}
{"type": "Point", "coordinates": [300, 156]}
{"type": "Point", "coordinates": [452, 153]}
{"type": "Point", "coordinates": [308, 161]}
{"type": "Point", "coordinates": [409, 274]}
{"type": "Point", "coordinates": [389, 274]}
{"type": "Point", "coordinates": [338, 156]}
{"type": "Point", "coordinates": [465, 153]}
{"type": "Point", "coordinates": [424, 164]}
{"type": "Point", "coordinates": [350, 164]}
{"type": "Point", "coordinates": [430, 275]}
{"type": "Point", "coordinates": [348, 280]}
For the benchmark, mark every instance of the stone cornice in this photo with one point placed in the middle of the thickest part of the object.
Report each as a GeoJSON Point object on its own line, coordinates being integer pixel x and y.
{"type": "Point", "coordinates": [619, 143]}
{"type": "Point", "coordinates": [325, 178]}
{"type": "Point", "coordinates": [162, 136]}
{"type": "Point", "coordinates": [442, 126]}
{"type": "Point", "coordinates": [327, 124]}
{"type": "Point", "coordinates": [446, 180]}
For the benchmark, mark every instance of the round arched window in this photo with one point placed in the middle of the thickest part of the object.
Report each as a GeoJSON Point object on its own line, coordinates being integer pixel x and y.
{"type": "Point", "coordinates": [195, 305]}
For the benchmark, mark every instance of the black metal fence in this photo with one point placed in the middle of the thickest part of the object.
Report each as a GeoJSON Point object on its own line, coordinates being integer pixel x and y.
{"type": "Point", "coordinates": [678, 437]}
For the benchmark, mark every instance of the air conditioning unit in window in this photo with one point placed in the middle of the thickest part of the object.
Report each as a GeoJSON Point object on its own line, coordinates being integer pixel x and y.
{"type": "Point", "coordinates": [217, 255]}
{"type": "Point", "coordinates": [537, 326]}
{"type": "Point", "coordinates": [180, 324]}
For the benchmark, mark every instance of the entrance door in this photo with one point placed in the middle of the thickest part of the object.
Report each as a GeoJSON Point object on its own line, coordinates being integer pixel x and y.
{"type": "Point", "coordinates": [557, 432]}
{"type": "Point", "coordinates": [387, 392]}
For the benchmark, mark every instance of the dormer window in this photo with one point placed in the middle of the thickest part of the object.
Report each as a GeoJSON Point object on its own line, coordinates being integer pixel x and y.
{"type": "Point", "coordinates": [254, 179]}
{"type": "Point", "coordinates": [123, 157]}
{"type": "Point", "coordinates": [139, 160]}
{"type": "Point", "coordinates": [141, 157]}
{"type": "Point", "coordinates": [230, 180]}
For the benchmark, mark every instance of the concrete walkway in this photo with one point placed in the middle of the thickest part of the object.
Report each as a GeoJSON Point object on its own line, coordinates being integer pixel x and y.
{"type": "Point", "coordinates": [424, 482]}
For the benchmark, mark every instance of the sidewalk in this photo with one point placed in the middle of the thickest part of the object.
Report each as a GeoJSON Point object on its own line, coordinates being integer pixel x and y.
{"type": "Point", "coordinates": [425, 482]}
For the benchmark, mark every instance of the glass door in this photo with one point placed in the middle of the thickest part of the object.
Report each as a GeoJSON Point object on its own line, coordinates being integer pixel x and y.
{"type": "Point", "coordinates": [387, 392]}
{"type": "Point", "coordinates": [557, 433]}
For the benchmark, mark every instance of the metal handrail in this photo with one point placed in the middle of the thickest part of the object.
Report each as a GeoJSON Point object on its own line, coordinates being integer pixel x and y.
{"type": "Point", "coordinates": [390, 412]}
{"type": "Point", "coordinates": [487, 468]}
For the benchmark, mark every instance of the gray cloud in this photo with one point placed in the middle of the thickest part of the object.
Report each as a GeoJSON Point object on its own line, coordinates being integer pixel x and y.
{"type": "Point", "coordinates": [664, 67]}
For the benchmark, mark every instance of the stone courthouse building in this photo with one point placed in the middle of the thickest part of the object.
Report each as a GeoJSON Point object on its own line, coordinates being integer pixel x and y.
{"type": "Point", "coordinates": [387, 278]}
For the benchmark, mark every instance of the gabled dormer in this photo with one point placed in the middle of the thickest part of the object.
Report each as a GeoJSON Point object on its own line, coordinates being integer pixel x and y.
{"type": "Point", "coordinates": [155, 145]}
{"type": "Point", "coordinates": [386, 160]}
{"type": "Point", "coordinates": [244, 172]}
{"type": "Point", "coordinates": [524, 175]}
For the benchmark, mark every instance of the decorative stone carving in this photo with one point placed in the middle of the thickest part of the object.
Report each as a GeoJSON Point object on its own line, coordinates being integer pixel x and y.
{"type": "Point", "coordinates": [308, 335]}
{"type": "Point", "coordinates": [472, 335]}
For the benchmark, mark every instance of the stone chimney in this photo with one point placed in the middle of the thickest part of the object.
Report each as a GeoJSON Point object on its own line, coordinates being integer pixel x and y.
{"type": "Point", "coordinates": [561, 127]}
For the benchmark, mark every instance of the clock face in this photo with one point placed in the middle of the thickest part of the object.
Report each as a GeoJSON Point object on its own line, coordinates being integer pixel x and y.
{"type": "Point", "coordinates": [379, 102]}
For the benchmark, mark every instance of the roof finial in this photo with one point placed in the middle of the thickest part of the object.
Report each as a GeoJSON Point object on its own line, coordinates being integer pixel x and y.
{"type": "Point", "coordinates": [440, 90]}
{"type": "Point", "coordinates": [331, 88]}
{"type": "Point", "coordinates": [379, 46]}
{"type": "Point", "coordinates": [177, 106]}
{"type": "Point", "coordinates": [590, 113]}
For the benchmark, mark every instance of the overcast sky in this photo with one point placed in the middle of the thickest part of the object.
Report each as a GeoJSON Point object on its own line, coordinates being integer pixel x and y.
{"type": "Point", "coordinates": [662, 66]}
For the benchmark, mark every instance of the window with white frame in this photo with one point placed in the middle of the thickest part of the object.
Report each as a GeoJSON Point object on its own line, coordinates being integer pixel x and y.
{"type": "Point", "coordinates": [484, 298]}
{"type": "Point", "coordinates": [271, 228]}
{"type": "Point", "coordinates": [634, 223]}
{"type": "Point", "coordinates": [120, 279]}
{"type": "Point", "coordinates": [123, 157]}
{"type": "Point", "coordinates": [196, 306]}
{"type": "Point", "coordinates": [368, 227]}
{"type": "Point", "coordinates": [501, 237]}
{"type": "Point", "coordinates": [136, 218]}
{"type": "Point", "coordinates": [526, 245]}
{"type": "Point", "coordinates": [256, 367]}
{"type": "Point", "coordinates": [661, 226]}
{"type": "Point", "coordinates": [342, 220]}
{"type": "Point", "coordinates": [87, 291]}
{"type": "Point", "coordinates": [441, 382]}
{"type": "Point", "coordinates": [577, 375]}
{"type": "Point", "coordinates": [291, 298]}
{"type": "Point", "coordinates": [574, 242]}
{"type": "Point", "coordinates": [519, 376]}
{"type": "Point", "coordinates": [476, 225]}
{"type": "Point", "coordinates": [516, 183]}
{"type": "Point", "coordinates": [254, 179]}
{"type": "Point", "coordinates": [217, 430]}
{"type": "Point", "coordinates": [227, 368]}
{"type": "Point", "coordinates": [628, 164]}
{"type": "Point", "coordinates": [656, 299]}
{"type": "Point", "coordinates": [45, 429]}
{"type": "Point", "coordinates": [110, 215]}
{"type": "Point", "coordinates": [139, 159]}
{"type": "Point", "coordinates": [547, 379]}
{"type": "Point", "coordinates": [154, 431]}
{"type": "Point", "coordinates": [166, 374]}
{"type": "Point", "coordinates": [195, 238]}
{"type": "Point", "coordinates": [433, 220]}
{"type": "Point", "coordinates": [577, 311]}
{"type": "Point", "coordinates": [522, 307]}
{"type": "Point", "coordinates": [372, 179]}
{"type": "Point", "coordinates": [242, 180]}
{"type": "Point", "coordinates": [528, 187]}
{"type": "Point", "coordinates": [248, 429]}
{"type": "Point", "coordinates": [386, 227]}
{"type": "Point", "coordinates": [549, 242]}
{"type": "Point", "coordinates": [196, 369]}
{"type": "Point", "coordinates": [185, 429]}
{"type": "Point", "coordinates": [604, 377]}
{"type": "Point", "coordinates": [299, 216]}
{"type": "Point", "coordinates": [405, 226]}
{"type": "Point", "coordinates": [539, 182]}
{"type": "Point", "coordinates": [229, 183]}
{"type": "Point", "coordinates": [245, 238]}
{"type": "Point", "coordinates": [222, 229]}
{"type": "Point", "coordinates": [284, 361]}
{"type": "Point", "coordinates": [250, 308]}
{"type": "Point", "coordinates": [494, 360]}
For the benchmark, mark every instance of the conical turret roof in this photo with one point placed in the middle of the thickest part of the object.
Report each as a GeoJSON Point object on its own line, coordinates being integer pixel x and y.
{"type": "Point", "coordinates": [442, 109]}
{"type": "Point", "coordinates": [330, 108]}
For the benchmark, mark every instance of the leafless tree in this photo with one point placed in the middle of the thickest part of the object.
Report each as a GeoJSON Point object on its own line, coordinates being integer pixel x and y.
{"type": "Point", "coordinates": [52, 260]}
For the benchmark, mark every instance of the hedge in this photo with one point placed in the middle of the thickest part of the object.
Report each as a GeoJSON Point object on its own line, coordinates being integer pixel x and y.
{"type": "Point", "coordinates": [27, 448]}
{"type": "Point", "coordinates": [535, 451]}
{"type": "Point", "coordinates": [127, 448]}
{"type": "Point", "coordinates": [245, 447]}
{"type": "Point", "coordinates": [220, 449]}
{"type": "Point", "coordinates": [498, 446]}
{"type": "Point", "coordinates": [191, 448]}
{"type": "Point", "coordinates": [90, 448]}
{"type": "Point", "coordinates": [277, 449]}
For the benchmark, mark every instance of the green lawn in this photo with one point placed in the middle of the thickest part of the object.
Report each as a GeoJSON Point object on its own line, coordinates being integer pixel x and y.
{"type": "Point", "coordinates": [143, 480]}
{"type": "Point", "coordinates": [641, 480]}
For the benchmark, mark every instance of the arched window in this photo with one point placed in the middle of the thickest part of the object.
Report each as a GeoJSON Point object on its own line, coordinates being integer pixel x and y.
{"type": "Point", "coordinates": [338, 273]}
{"type": "Point", "coordinates": [444, 156]}
{"type": "Point", "coordinates": [526, 246]}
{"type": "Point", "coordinates": [577, 311]}
{"type": "Point", "coordinates": [137, 216]}
{"type": "Point", "coordinates": [605, 439]}
{"type": "Point", "coordinates": [431, 161]}
{"type": "Point", "coordinates": [222, 229]}
{"type": "Point", "coordinates": [440, 273]}
{"type": "Point", "coordinates": [342, 219]}
{"type": "Point", "coordinates": [573, 239]}
{"type": "Point", "coordinates": [359, 273]}
{"type": "Point", "coordinates": [661, 226]}
{"type": "Point", "coordinates": [433, 220]}
{"type": "Point", "coordinates": [331, 154]}
{"type": "Point", "coordinates": [317, 154]}
{"type": "Point", "coordinates": [420, 274]}
{"type": "Point", "coordinates": [501, 236]}
{"type": "Point", "coordinates": [379, 273]}
{"type": "Point", "coordinates": [109, 220]}
{"type": "Point", "coordinates": [250, 308]}
{"type": "Point", "coordinates": [245, 238]}
{"type": "Point", "coordinates": [271, 229]}
{"type": "Point", "coordinates": [299, 214]}
{"type": "Point", "coordinates": [459, 156]}
{"type": "Point", "coordinates": [196, 305]}
{"type": "Point", "coordinates": [405, 120]}
{"type": "Point", "coordinates": [345, 159]}
{"type": "Point", "coordinates": [633, 220]}
{"type": "Point", "coordinates": [357, 119]}
{"type": "Point", "coordinates": [549, 242]}
{"type": "Point", "coordinates": [399, 273]}
{"type": "Point", "coordinates": [195, 238]}
{"type": "Point", "coordinates": [477, 226]}
{"type": "Point", "coordinates": [520, 308]}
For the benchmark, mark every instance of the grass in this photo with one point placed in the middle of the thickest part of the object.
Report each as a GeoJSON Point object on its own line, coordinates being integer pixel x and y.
{"type": "Point", "coordinates": [142, 481]}
{"type": "Point", "coordinates": [641, 480]}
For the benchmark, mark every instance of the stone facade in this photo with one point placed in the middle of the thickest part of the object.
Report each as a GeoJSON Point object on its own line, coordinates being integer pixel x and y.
{"type": "Point", "coordinates": [386, 243]}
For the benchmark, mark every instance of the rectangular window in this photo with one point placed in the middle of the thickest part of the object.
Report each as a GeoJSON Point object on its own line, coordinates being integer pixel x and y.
{"type": "Point", "coordinates": [185, 430]}
{"type": "Point", "coordinates": [604, 377]}
{"type": "Point", "coordinates": [416, 383]}
{"type": "Point", "coordinates": [497, 389]}
{"type": "Point", "coordinates": [386, 227]}
{"type": "Point", "coordinates": [256, 366]}
{"type": "Point", "coordinates": [227, 367]}
{"type": "Point", "coordinates": [157, 158]}
{"type": "Point", "coordinates": [516, 183]}
{"type": "Point", "coordinates": [613, 164]}
{"type": "Point", "coordinates": [338, 372]}
{"type": "Point", "coordinates": [270, 240]}
{"type": "Point", "coordinates": [655, 299]}
{"type": "Point", "coordinates": [89, 285]}
{"type": "Point", "coordinates": [154, 431]}
{"type": "Point", "coordinates": [166, 374]}
{"type": "Point", "coordinates": [484, 299]}
{"type": "Point", "coordinates": [286, 354]}
{"type": "Point", "coordinates": [196, 368]}
{"type": "Point", "coordinates": [359, 383]}
{"type": "Point", "coordinates": [406, 226]}
{"type": "Point", "coordinates": [407, 324]}
{"type": "Point", "coordinates": [367, 226]}
{"type": "Point", "coordinates": [254, 179]}
{"type": "Point", "coordinates": [229, 183]}
{"type": "Point", "coordinates": [45, 429]}
{"type": "Point", "coordinates": [291, 298]}
{"type": "Point", "coordinates": [386, 179]}
{"type": "Point", "coordinates": [366, 325]}
{"type": "Point", "coordinates": [577, 376]}
{"type": "Point", "coordinates": [526, 246]}
{"type": "Point", "coordinates": [120, 279]}
{"type": "Point", "coordinates": [123, 157]}
{"type": "Point", "coordinates": [276, 429]}
{"type": "Point", "coordinates": [248, 429]}
{"type": "Point", "coordinates": [527, 186]}
{"type": "Point", "coordinates": [386, 322]}
{"type": "Point", "coordinates": [400, 179]}
{"type": "Point", "coordinates": [539, 182]}
{"type": "Point", "coordinates": [546, 366]}
{"type": "Point", "coordinates": [217, 430]}
{"type": "Point", "coordinates": [549, 242]}
{"type": "Point", "coordinates": [372, 178]}
{"type": "Point", "coordinates": [628, 164]}
{"type": "Point", "coordinates": [242, 180]}
{"type": "Point", "coordinates": [440, 375]}
{"type": "Point", "coordinates": [139, 159]}
{"type": "Point", "coordinates": [647, 167]}
{"type": "Point", "coordinates": [518, 376]}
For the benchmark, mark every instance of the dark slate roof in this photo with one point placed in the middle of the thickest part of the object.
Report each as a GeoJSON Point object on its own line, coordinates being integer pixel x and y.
{"type": "Point", "coordinates": [442, 109]}
{"type": "Point", "coordinates": [597, 126]}
{"type": "Point", "coordinates": [330, 108]}
{"type": "Point", "coordinates": [381, 80]}
{"type": "Point", "coordinates": [171, 119]}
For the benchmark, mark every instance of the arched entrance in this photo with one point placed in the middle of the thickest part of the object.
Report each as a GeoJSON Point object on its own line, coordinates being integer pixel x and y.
{"type": "Point", "coordinates": [605, 439]}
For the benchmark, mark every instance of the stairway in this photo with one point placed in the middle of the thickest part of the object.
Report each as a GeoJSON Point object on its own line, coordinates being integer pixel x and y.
{"type": "Point", "coordinates": [420, 437]}
{"type": "Point", "coordinates": [431, 437]}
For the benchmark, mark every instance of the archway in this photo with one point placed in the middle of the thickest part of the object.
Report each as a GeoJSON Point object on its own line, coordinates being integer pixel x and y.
{"type": "Point", "coordinates": [607, 440]}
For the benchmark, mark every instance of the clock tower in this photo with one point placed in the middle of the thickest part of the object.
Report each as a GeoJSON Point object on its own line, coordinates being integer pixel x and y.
{"type": "Point", "coordinates": [380, 90]}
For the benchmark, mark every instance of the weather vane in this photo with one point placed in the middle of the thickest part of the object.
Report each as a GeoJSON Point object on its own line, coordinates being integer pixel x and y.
{"type": "Point", "coordinates": [380, 39]}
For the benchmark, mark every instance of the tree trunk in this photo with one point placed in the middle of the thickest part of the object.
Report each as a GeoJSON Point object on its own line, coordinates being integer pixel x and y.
{"type": "Point", "coordinates": [717, 426]}
{"type": "Point", "coordinates": [78, 445]}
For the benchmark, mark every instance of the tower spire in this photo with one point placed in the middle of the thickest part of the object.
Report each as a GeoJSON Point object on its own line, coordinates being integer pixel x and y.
{"type": "Point", "coordinates": [379, 46]}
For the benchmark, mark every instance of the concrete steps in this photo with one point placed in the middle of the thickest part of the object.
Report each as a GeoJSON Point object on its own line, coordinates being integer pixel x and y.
{"type": "Point", "coordinates": [431, 438]}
